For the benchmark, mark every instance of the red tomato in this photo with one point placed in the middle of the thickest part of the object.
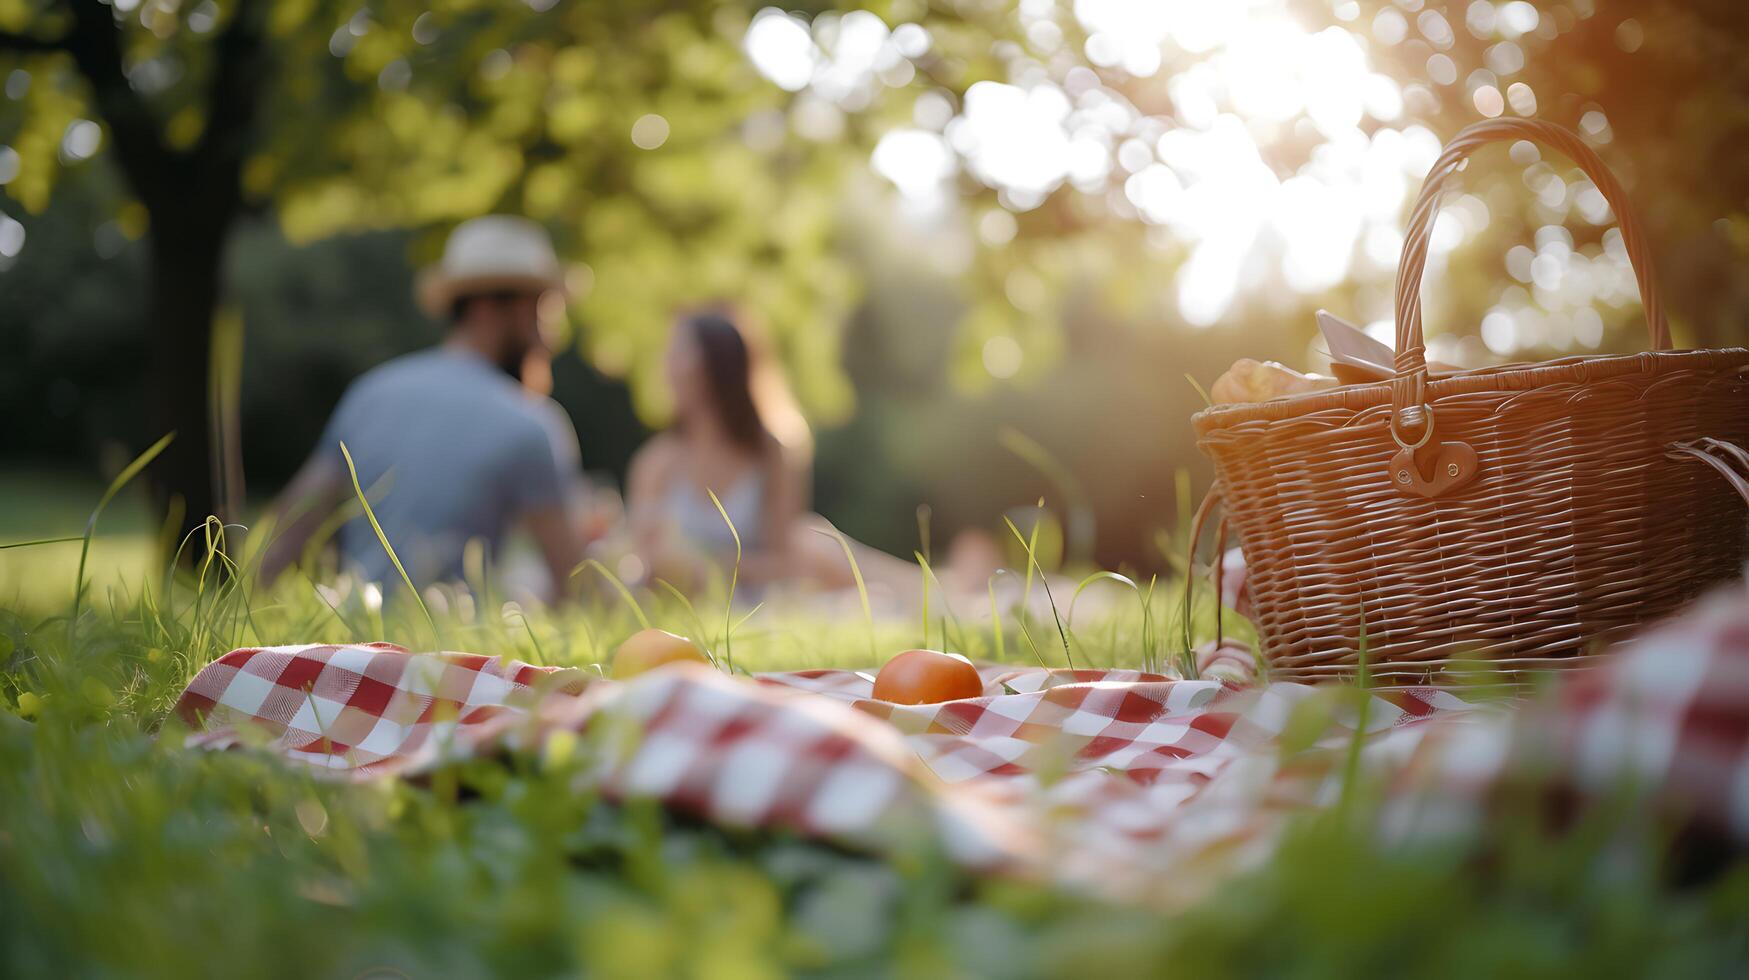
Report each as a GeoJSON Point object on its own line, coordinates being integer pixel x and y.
{"type": "Point", "coordinates": [927, 677]}
{"type": "Point", "coordinates": [649, 649]}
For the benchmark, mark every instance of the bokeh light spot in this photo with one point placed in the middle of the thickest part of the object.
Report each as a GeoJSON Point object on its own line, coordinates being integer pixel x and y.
{"type": "Point", "coordinates": [1488, 101]}
{"type": "Point", "coordinates": [917, 161]}
{"type": "Point", "coordinates": [81, 140]}
{"type": "Point", "coordinates": [781, 49]}
{"type": "Point", "coordinates": [1002, 357]}
{"type": "Point", "coordinates": [649, 132]}
{"type": "Point", "coordinates": [1629, 35]}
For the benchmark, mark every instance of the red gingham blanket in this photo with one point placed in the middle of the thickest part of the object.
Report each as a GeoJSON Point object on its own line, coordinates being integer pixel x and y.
{"type": "Point", "coordinates": [1120, 780]}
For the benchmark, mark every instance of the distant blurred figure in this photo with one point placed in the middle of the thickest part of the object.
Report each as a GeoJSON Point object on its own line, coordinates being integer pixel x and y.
{"type": "Point", "coordinates": [722, 440]}
{"type": "Point", "coordinates": [450, 445]}
{"type": "Point", "coordinates": [737, 433]}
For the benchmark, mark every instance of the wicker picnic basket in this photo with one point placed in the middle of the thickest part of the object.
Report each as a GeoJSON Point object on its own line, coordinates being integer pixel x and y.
{"type": "Point", "coordinates": [1520, 514]}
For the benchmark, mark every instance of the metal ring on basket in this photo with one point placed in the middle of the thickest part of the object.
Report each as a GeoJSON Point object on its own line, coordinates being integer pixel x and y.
{"type": "Point", "coordinates": [1426, 430]}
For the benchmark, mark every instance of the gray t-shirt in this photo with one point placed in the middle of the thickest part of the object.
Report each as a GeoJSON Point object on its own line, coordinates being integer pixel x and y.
{"type": "Point", "coordinates": [448, 449]}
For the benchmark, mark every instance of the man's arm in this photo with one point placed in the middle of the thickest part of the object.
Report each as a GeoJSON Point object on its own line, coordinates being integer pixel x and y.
{"type": "Point", "coordinates": [318, 487]}
{"type": "Point", "coordinates": [556, 534]}
{"type": "Point", "coordinates": [545, 476]}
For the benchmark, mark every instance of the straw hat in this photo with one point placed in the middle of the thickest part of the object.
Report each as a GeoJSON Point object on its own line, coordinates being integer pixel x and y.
{"type": "Point", "coordinates": [488, 254]}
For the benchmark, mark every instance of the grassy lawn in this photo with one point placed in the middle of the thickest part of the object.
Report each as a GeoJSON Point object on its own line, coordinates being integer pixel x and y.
{"type": "Point", "coordinates": [37, 503]}
{"type": "Point", "coordinates": [122, 854]}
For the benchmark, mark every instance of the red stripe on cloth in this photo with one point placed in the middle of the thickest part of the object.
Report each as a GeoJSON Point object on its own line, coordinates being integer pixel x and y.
{"type": "Point", "coordinates": [371, 696]}
{"type": "Point", "coordinates": [472, 661]}
{"type": "Point", "coordinates": [193, 708]}
{"type": "Point", "coordinates": [237, 658]}
{"type": "Point", "coordinates": [1136, 707]}
{"type": "Point", "coordinates": [300, 673]}
{"type": "Point", "coordinates": [1216, 723]}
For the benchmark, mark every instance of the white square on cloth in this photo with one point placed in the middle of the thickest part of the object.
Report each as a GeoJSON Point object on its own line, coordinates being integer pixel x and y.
{"type": "Point", "coordinates": [749, 779]}
{"type": "Point", "coordinates": [247, 692]}
{"type": "Point", "coordinates": [355, 659]}
{"type": "Point", "coordinates": [660, 763]}
{"type": "Point", "coordinates": [852, 797]}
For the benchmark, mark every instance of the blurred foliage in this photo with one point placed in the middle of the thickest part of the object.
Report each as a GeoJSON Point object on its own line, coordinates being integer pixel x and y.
{"type": "Point", "coordinates": [1658, 87]}
{"type": "Point", "coordinates": [1670, 82]}
{"type": "Point", "coordinates": [395, 113]}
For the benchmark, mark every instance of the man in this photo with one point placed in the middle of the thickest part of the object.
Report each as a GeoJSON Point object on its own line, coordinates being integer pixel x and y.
{"type": "Point", "coordinates": [449, 445]}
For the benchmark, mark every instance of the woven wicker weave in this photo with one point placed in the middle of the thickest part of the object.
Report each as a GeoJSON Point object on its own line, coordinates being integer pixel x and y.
{"type": "Point", "coordinates": [1521, 514]}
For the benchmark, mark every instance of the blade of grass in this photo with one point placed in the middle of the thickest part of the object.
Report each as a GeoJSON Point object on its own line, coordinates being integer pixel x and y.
{"type": "Point", "coordinates": [1150, 633]}
{"type": "Point", "coordinates": [224, 394]}
{"type": "Point", "coordinates": [996, 621]}
{"type": "Point", "coordinates": [1081, 523]}
{"type": "Point", "coordinates": [923, 573]}
{"type": "Point", "coordinates": [32, 544]}
{"type": "Point", "coordinates": [1206, 400]}
{"type": "Point", "coordinates": [1062, 633]}
{"type": "Point", "coordinates": [1032, 563]}
{"type": "Point", "coordinates": [734, 578]}
{"type": "Point", "coordinates": [1026, 595]}
{"type": "Point", "coordinates": [170, 578]}
{"type": "Point", "coordinates": [1026, 634]}
{"type": "Point", "coordinates": [1026, 589]}
{"type": "Point", "coordinates": [1196, 525]}
{"type": "Point", "coordinates": [122, 479]}
{"type": "Point", "coordinates": [947, 608]}
{"type": "Point", "coordinates": [383, 539]}
{"type": "Point", "coordinates": [697, 621]}
{"type": "Point", "coordinates": [1351, 767]}
{"type": "Point", "coordinates": [343, 515]}
{"type": "Point", "coordinates": [1123, 580]}
{"type": "Point", "coordinates": [474, 565]}
{"type": "Point", "coordinates": [861, 586]}
{"type": "Point", "coordinates": [235, 587]}
{"type": "Point", "coordinates": [743, 620]}
{"type": "Point", "coordinates": [624, 593]}
{"type": "Point", "coordinates": [352, 631]}
{"type": "Point", "coordinates": [528, 627]}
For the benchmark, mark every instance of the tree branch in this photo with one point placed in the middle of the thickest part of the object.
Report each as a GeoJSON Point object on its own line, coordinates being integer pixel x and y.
{"type": "Point", "coordinates": [28, 44]}
{"type": "Point", "coordinates": [95, 44]}
{"type": "Point", "coordinates": [238, 74]}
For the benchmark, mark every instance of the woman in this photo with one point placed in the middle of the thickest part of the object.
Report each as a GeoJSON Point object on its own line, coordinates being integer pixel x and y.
{"type": "Point", "coordinates": [722, 442]}
{"type": "Point", "coordinates": [738, 434]}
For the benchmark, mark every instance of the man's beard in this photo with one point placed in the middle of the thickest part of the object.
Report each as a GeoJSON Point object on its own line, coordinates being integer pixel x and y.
{"type": "Point", "coordinates": [511, 361]}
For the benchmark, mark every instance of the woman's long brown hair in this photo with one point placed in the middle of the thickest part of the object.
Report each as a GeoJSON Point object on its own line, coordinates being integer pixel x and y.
{"type": "Point", "coordinates": [728, 367]}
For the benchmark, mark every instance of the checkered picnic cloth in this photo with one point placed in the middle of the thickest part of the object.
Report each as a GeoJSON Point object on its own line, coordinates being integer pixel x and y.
{"type": "Point", "coordinates": [363, 709]}
{"type": "Point", "coordinates": [1122, 780]}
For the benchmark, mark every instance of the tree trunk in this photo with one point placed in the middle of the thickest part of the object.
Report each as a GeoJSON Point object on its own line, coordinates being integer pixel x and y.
{"type": "Point", "coordinates": [186, 262]}
{"type": "Point", "coordinates": [192, 197]}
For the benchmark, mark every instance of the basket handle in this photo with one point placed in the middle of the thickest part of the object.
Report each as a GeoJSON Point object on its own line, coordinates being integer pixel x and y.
{"type": "Point", "coordinates": [1408, 394]}
{"type": "Point", "coordinates": [1210, 500]}
{"type": "Point", "coordinates": [1700, 449]}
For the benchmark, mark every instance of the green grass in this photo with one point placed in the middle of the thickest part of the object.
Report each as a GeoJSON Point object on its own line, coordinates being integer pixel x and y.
{"type": "Point", "coordinates": [122, 854]}
{"type": "Point", "coordinates": [37, 503]}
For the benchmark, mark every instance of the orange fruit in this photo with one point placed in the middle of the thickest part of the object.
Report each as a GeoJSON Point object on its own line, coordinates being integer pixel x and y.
{"type": "Point", "coordinates": [652, 648]}
{"type": "Point", "coordinates": [927, 677]}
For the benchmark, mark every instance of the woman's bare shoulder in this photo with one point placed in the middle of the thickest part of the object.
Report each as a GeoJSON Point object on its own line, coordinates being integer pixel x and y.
{"type": "Point", "coordinates": [657, 457]}
{"type": "Point", "coordinates": [780, 460]}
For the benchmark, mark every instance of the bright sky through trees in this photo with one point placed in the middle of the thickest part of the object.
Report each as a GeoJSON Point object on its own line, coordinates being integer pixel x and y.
{"type": "Point", "coordinates": [1237, 87]}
